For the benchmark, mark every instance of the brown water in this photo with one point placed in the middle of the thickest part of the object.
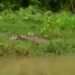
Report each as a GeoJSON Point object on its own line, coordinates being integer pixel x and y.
{"type": "Point", "coordinates": [60, 65]}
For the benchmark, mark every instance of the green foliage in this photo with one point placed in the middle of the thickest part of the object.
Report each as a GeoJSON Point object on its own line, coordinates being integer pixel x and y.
{"type": "Point", "coordinates": [13, 4]}
{"type": "Point", "coordinates": [58, 28]}
{"type": "Point", "coordinates": [9, 4]}
{"type": "Point", "coordinates": [53, 5]}
{"type": "Point", "coordinates": [57, 24]}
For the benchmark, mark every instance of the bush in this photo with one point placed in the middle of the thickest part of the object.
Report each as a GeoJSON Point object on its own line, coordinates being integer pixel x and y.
{"type": "Point", "coordinates": [13, 4]}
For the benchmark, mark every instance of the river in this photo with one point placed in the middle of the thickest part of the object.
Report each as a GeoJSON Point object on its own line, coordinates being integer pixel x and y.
{"type": "Point", "coordinates": [54, 65]}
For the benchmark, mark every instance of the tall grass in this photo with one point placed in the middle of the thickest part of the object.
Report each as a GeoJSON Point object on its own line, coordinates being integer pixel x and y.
{"type": "Point", "coordinates": [58, 28]}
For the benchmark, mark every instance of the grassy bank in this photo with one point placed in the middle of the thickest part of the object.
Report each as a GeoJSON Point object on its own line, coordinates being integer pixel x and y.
{"type": "Point", "coordinates": [57, 28]}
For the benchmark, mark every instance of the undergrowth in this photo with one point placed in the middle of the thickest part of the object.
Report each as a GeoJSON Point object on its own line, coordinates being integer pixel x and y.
{"type": "Point", "coordinates": [58, 28]}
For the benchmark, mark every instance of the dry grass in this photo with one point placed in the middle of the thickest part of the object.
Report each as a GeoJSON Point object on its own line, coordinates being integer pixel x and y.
{"type": "Point", "coordinates": [63, 65]}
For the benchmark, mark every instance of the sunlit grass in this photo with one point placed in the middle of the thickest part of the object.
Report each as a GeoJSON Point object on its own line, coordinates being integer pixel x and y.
{"type": "Point", "coordinates": [57, 28]}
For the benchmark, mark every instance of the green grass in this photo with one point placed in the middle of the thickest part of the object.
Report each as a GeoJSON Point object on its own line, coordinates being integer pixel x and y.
{"type": "Point", "coordinates": [58, 28]}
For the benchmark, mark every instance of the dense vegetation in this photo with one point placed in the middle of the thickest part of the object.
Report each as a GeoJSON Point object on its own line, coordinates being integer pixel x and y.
{"type": "Point", "coordinates": [54, 20]}
{"type": "Point", "coordinates": [53, 5]}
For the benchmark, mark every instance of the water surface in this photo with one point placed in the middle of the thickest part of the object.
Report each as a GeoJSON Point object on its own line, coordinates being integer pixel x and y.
{"type": "Point", "coordinates": [60, 65]}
